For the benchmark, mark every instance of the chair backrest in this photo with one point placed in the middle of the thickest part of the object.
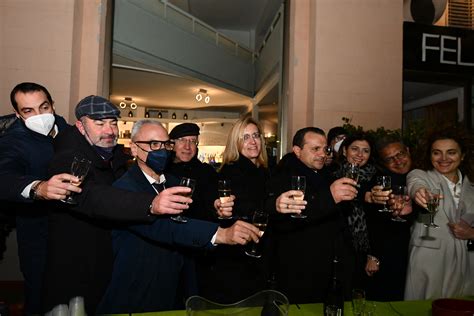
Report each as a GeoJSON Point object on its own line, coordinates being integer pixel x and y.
{"type": "Point", "coordinates": [263, 303]}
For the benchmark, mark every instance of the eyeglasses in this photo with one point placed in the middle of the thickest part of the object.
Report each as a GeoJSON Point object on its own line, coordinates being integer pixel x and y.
{"type": "Point", "coordinates": [392, 159]}
{"type": "Point", "coordinates": [254, 136]}
{"type": "Point", "coordinates": [157, 144]}
{"type": "Point", "coordinates": [183, 141]}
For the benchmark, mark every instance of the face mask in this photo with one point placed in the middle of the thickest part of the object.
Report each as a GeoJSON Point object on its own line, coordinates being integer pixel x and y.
{"type": "Point", "coordinates": [42, 123]}
{"type": "Point", "coordinates": [157, 160]}
{"type": "Point", "coordinates": [338, 145]}
{"type": "Point", "coordinates": [105, 152]}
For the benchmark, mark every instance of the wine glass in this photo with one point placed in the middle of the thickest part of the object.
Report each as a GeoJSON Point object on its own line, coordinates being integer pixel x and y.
{"type": "Point", "coordinates": [432, 201]}
{"type": "Point", "coordinates": [352, 171]}
{"type": "Point", "coordinates": [223, 187]}
{"type": "Point", "coordinates": [79, 168]}
{"type": "Point", "coordinates": [298, 183]}
{"type": "Point", "coordinates": [190, 183]}
{"type": "Point", "coordinates": [400, 197]}
{"type": "Point", "coordinates": [260, 220]}
{"type": "Point", "coordinates": [358, 301]}
{"type": "Point", "coordinates": [386, 183]}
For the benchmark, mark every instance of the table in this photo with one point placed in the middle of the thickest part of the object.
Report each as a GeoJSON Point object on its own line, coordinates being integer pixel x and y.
{"type": "Point", "coordinates": [405, 308]}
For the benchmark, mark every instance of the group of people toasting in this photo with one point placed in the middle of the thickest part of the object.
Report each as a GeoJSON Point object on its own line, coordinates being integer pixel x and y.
{"type": "Point", "coordinates": [244, 228]}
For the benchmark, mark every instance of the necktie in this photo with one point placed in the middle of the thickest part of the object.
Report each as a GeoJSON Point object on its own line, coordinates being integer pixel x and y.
{"type": "Point", "coordinates": [158, 186]}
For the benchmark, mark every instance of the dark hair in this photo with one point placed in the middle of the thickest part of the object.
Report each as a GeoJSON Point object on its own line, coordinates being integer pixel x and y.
{"type": "Point", "coordinates": [334, 132]}
{"type": "Point", "coordinates": [384, 141]}
{"type": "Point", "coordinates": [26, 87]}
{"type": "Point", "coordinates": [361, 136]}
{"type": "Point", "coordinates": [462, 138]}
{"type": "Point", "coordinates": [298, 139]}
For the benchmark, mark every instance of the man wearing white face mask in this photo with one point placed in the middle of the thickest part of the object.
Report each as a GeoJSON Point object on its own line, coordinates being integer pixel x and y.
{"type": "Point", "coordinates": [25, 152]}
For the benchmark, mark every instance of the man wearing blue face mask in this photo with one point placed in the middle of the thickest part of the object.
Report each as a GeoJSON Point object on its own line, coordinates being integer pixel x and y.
{"type": "Point", "coordinates": [26, 148]}
{"type": "Point", "coordinates": [153, 269]}
{"type": "Point", "coordinates": [80, 253]}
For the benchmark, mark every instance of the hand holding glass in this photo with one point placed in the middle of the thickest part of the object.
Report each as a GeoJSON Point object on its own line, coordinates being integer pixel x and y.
{"type": "Point", "coordinates": [260, 220]}
{"type": "Point", "coordinates": [386, 183]}
{"type": "Point", "coordinates": [189, 183]}
{"type": "Point", "coordinates": [401, 199]}
{"type": "Point", "coordinates": [223, 187]}
{"type": "Point", "coordinates": [79, 168]}
{"type": "Point", "coordinates": [298, 183]}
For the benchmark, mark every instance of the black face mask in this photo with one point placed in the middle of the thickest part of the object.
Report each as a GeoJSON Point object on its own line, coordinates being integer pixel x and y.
{"type": "Point", "coordinates": [105, 152]}
{"type": "Point", "coordinates": [157, 160]}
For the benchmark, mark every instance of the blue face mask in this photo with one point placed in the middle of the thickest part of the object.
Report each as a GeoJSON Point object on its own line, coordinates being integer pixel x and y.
{"type": "Point", "coordinates": [157, 160]}
{"type": "Point", "coordinates": [105, 152]}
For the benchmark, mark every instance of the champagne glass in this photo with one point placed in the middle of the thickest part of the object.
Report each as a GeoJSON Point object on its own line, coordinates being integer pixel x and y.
{"type": "Point", "coordinates": [190, 183]}
{"type": "Point", "coordinates": [432, 203]}
{"type": "Point", "coordinates": [400, 197]}
{"type": "Point", "coordinates": [358, 301]}
{"type": "Point", "coordinates": [260, 220]}
{"type": "Point", "coordinates": [298, 183]}
{"type": "Point", "coordinates": [79, 168]}
{"type": "Point", "coordinates": [386, 183]}
{"type": "Point", "coordinates": [223, 187]}
{"type": "Point", "coordinates": [352, 171]}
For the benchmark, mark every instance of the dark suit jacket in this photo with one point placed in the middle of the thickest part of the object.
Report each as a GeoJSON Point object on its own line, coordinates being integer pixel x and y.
{"type": "Point", "coordinates": [80, 253]}
{"type": "Point", "coordinates": [149, 258]}
{"type": "Point", "coordinates": [302, 250]}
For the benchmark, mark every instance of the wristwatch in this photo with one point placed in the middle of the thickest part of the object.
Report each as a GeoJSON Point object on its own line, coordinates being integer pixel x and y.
{"type": "Point", "coordinates": [34, 190]}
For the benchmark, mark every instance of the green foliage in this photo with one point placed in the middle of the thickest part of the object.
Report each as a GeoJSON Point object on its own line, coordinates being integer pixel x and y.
{"type": "Point", "coordinates": [411, 135]}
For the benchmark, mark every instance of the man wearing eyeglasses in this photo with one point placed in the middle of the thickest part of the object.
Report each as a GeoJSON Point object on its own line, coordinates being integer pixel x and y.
{"type": "Point", "coordinates": [389, 239]}
{"type": "Point", "coordinates": [186, 164]}
{"type": "Point", "coordinates": [79, 258]}
{"type": "Point", "coordinates": [153, 269]}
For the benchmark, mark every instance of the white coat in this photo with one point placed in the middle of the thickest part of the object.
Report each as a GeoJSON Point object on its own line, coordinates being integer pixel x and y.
{"type": "Point", "coordinates": [440, 266]}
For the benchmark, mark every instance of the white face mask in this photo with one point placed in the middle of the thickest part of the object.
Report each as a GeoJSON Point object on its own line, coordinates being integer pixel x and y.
{"type": "Point", "coordinates": [42, 123]}
{"type": "Point", "coordinates": [338, 145]}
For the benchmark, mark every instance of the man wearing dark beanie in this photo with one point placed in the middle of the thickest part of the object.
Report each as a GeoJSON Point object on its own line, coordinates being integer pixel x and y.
{"type": "Point", "coordinates": [186, 164]}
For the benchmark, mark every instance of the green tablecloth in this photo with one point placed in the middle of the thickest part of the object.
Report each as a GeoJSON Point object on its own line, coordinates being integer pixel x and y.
{"type": "Point", "coordinates": [405, 308]}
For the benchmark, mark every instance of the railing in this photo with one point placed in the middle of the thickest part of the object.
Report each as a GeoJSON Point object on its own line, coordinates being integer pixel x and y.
{"type": "Point", "coordinates": [186, 21]}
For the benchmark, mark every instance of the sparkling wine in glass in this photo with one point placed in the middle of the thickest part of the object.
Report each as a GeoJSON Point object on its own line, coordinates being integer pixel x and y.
{"type": "Point", "coordinates": [298, 183]}
{"type": "Point", "coordinates": [190, 183]}
{"type": "Point", "coordinates": [79, 168]}
{"type": "Point", "coordinates": [386, 183]}
{"type": "Point", "coordinates": [352, 171]}
{"type": "Point", "coordinates": [433, 204]}
{"type": "Point", "coordinates": [223, 187]}
{"type": "Point", "coordinates": [260, 220]}
{"type": "Point", "coordinates": [401, 198]}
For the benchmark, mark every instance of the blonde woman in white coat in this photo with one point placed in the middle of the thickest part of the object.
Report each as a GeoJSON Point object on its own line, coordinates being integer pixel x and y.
{"type": "Point", "coordinates": [441, 265]}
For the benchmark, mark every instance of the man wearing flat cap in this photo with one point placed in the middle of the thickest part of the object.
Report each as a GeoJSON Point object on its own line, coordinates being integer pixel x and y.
{"type": "Point", "coordinates": [186, 164]}
{"type": "Point", "coordinates": [79, 262]}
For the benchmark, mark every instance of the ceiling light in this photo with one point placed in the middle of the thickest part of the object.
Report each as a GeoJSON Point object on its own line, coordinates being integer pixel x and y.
{"type": "Point", "coordinates": [202, 94]}
{"type": "Point", "coordinates": [173, 116]}
{"type": "Point", "coordinates": [147, 114]}
{"type": "Point", "coordinates": [128, 100]}
{"type": "Point", "coordinates": [160, 115]}
{"type": "Point", "coordinates": [130, 114]}
{"type": "Point", "coordinates": [185, 116]}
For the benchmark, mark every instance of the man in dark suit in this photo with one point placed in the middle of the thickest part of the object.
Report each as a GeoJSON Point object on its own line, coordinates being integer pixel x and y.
{"type": "Point", "coordinates": [80, 257]}
{"type": "Point", "coordinates": [305, 247]}
{"type": "Point", "coordinates": [151, 269]}
{"type": "Point", "coordinates": [26, 148]}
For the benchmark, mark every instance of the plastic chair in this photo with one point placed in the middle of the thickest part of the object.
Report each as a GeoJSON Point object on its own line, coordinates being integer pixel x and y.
{"type": "Point", "coordinates": [263, 303]}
